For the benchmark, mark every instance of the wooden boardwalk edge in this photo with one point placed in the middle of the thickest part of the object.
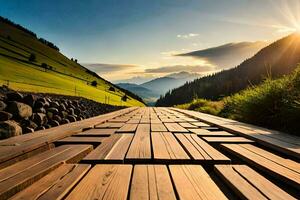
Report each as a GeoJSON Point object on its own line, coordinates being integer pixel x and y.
{"type": "Point", "coordinates": [279, 141]}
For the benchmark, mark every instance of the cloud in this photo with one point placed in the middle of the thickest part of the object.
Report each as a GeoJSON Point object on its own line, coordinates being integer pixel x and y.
{"type": "Point", "coordinates": [178, 68]}
{"type": "Point", "coordinates": [228, 55]}
{"type": "Point", "coordinates": [187, 36]}
{"type": "Point", "coordinates": [105, 68]}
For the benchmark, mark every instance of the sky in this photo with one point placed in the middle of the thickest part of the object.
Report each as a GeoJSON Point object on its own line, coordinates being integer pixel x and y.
{"type": "Point", "coordinates": [125, 39]}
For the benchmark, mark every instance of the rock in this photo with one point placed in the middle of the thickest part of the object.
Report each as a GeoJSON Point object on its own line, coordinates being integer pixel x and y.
{"type": "Point", "coordinates": [71, 111]}
{"type": "Point", "coordinates": [39, 118]}
{"type": "Point", "coordinates": [19, 110]}
{"type": "Point", "coordinates": [47, 126]}
{"type": "Point", "coordinates": [38, 104]}
{"type": "Point", "coordinates": [77, 111]}
{"type": "Point", "coordinates": [53, 110]}
{"type": "Point", "coordinates": [29, 100]}
{"type": "Point", "coordinates": [40, 110]}
{"type": "Point", "coordinates": [4, 116]}
{"type": "Point", "coordinates": [71, 118]}
{"type": "Point", "coordinates": [53, 123]}
{"type": "Point", "coordinates": [56, 118]}
{"type": "Point", "coordinates": [9, 129]}
{"type": "Point", "coordinates": [46, 105]}
{"type": "Point", "coordinates": [40, 128]}
{"type": "Point", "coordinates": [28, 130]}
{"type": "Point", "coordinates": [54, 104]}
{"type": "Point", "coordinates": [43, 100]}
{"type": "Point", "coordinates": [64, 121]}
{"type": "Point", "coordinates": [63, 114]}
{"type": "Point", "coordinates": [62, 107]}
{"type": "Point", "coordinates": [78, 118]}
{"type": "Point", "coordinates": [2, 106]}
{"type": "Point", "coordinates": [49, 115]}
{"type": "Point", "coordinates": [32, 125]}
{"type": "Point", "coordinates": [14, 96]}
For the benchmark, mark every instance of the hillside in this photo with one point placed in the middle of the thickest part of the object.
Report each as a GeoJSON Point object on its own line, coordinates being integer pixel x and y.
{"type": "Point", "coordinates": [275, 60]}
{"type": "Point", "coordinates": [36, 65]}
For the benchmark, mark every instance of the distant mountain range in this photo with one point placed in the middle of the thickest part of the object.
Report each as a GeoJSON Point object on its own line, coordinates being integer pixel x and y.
{"type": "Point", "coordinates": [151, 90]}
{"type": "Point", "coordinates": [228, 55]}
{"type": "Point", "coordinates": [275, 60]}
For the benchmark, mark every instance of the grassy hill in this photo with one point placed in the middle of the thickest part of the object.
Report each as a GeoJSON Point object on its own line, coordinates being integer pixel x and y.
{"type": "Point", "coordinates": [277, 59]}
{"type": "Point", "coordinates": [33, 65]}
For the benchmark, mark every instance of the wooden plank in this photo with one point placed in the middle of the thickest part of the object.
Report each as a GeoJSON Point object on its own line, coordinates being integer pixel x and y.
{"type": "Point", "coordinates": [166, 148]}
{"type": "Point", "coordinates": [145, 120]}
{"type": "Point", "coordinates": [133, 121]}
{"type": "Point", "coordinates": [26, 155]}
{"type": "Point", "coordinates": [165, 119]}
{"type": "Point", "coordinates": [158, 127]}
{"type": "Point", "coordinates": [119, 119]}
{"type": "Point", "coordinates": [104, 182]}
{"type": "Point", "coordinates": [22, 174]}
{"type": "Point", "coordinates": [276, 140]}
{"type": "Point", "coordinates": [199, 150]}
{"type": "Point", "coordinates": [200, 124]}
{"type": "Point", "coordinates": [227, 140]}
{"type": "Point", "coordinates": [174, 127]}
{"type": "Point", "coordinates": [151, 182]}
{"type": "Point", "coordinates": [193, 182]}
{"type": "Point", "coordinates": [112, 149]}
{"type": "Point", "coordinates": [248, 184]}
{"type": "Point", "coordinates": [127, 128]}
{"type": "Point", "coordinates": [97, 132]}
{"type": "Point", "coordinates": [281, 168]}
{"type": "Point", "coordinates": [80, 140]}
{"type": "Point", "coordinates": [187, 125]}
{"type": "Point", "coordinates": [204, 132]}
{"type": "Point", "coordinates": [155, 121]}
{"type": "Point", "coordinates": [110, 125]}
{"type": "Point", "coordinates": [140, 148]}
{"type": "Point", "coordinates": [12, 147]}
{"type": "Point", "coordinates": [56, 184]}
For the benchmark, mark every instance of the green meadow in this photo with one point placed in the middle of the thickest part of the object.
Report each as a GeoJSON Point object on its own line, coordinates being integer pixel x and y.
{"type": "Point", "coordinates": [50, 71]}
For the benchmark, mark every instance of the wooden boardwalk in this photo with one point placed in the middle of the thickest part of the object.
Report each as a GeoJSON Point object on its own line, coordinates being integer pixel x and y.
{"type": "Point", "coordinates": [151, 153]}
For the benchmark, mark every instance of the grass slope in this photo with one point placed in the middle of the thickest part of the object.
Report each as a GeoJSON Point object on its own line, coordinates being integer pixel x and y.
{"type": "Point", "coordinates": [273, 104]}
{"type": "Point", "coordinates": [66, 77]}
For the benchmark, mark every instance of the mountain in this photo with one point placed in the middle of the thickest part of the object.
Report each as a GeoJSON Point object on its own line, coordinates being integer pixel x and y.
{"type": "Point", "coordinates": [166, 83]}
{"type": "Point", "coordinates": [148, 96]}
{"type": "Point", "coordinates": [275, 60]}
{"type": "Point", "coordinates": [228, 55]}
{"type": "Point", "coordinates": [29, 63]}
{"type": "Point", "coordinates": [150, 91]}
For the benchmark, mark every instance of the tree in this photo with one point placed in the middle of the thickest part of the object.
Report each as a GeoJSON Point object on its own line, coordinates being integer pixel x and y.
{"type": "Point", "coordinates": [124, 98]}
{"type": "Point", "coordinates": [94, 83]}
{"type": "Point", "coordinates": [112, 89]}
{"type": "Point", "coordinates": [32, 57]}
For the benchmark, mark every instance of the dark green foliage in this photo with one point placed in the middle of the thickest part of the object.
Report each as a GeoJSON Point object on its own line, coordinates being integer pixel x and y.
{"type": "Point", "coordinates": [202, 105]}
{"type": "Point", "coordinates": [124, 98]}
{"type": "Point", "coordinates": [32, 57]}
{"type": "Point", "coordinates": [94, 83]}
{"type": "Point", "coordinates": [112, 89]}
{"type": "Point", "coordinates": [276, 60]}
{"type": "Point", "coordinates": [274, 104]}
{"type": "Point", "coordinates": [49, 44]}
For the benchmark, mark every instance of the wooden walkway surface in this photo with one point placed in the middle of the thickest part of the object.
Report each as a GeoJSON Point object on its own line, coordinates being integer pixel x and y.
{"type": "Point", "coordinates": [151, 153]}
